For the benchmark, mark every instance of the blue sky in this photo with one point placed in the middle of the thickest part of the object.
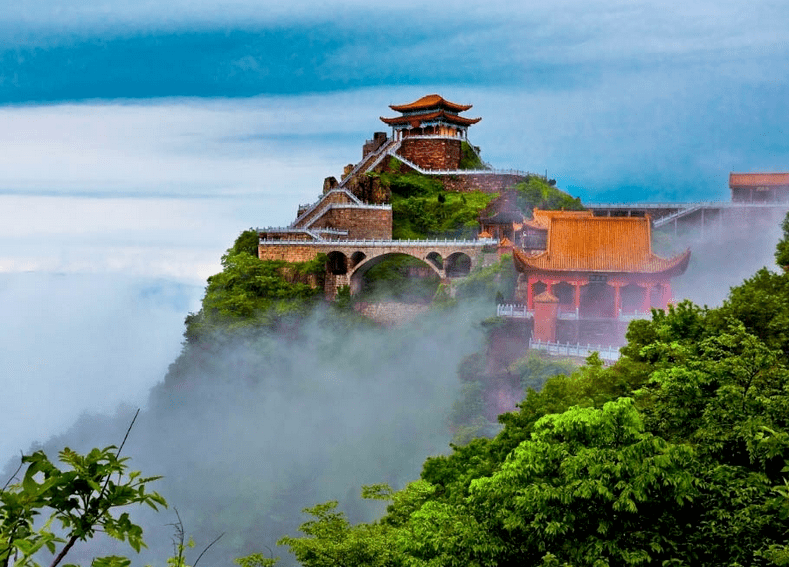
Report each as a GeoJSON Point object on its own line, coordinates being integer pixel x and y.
{"type": "Point", "coordinates": [139, 137]}
{"type": "Point", "coordinates": [618, 100]}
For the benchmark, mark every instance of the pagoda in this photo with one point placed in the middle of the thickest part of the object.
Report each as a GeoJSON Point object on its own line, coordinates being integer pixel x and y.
{"type": "Point", "coordinates": [430, 132]}
{"type": "Point", "coordinates": [431, 115]}
{"type": "Point", "coordinates": [594, 275]}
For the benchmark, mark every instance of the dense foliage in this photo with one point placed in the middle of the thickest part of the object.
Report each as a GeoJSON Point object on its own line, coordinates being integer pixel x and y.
{"type": "Point", "coordinates": [421, 208]}
{"type": "Point", "coordinates": [537, 192]}
{"type": "Point", "coordinates": [469, 158]}
{"type": "Point", "coordinates": [51, 508]}
{"type": "Point", "coordinates": [677, 455]}
{"type": "Point", "coordinates": [251, 293]}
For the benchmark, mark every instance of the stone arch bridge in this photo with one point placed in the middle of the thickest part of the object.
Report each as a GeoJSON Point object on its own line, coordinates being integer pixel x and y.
{"type": "Point", "coordinates": [349, 260]}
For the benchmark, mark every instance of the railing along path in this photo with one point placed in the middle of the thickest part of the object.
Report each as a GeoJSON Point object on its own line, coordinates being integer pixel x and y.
{"type": "Point", "coordinates": [386, 243]}
{"type": "Point", "coordinates": [609, 353]}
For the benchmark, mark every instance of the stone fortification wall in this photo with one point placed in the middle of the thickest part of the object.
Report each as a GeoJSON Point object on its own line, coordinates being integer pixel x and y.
{"type": "Point", "coordinates": [369, 189]}
{"type": "Point", "coordinates": [487, 182]}
{"type": "Point", "coordinates": [290, 253]}
{"type": "Point", "coordinates": [332, 198]}
{"type": "Point", "coordinates": [370, 146]}
{"type": "Point", "coordinates": [391, 312]}
{"type": "Point", "coordinates": [361, 223]}
{"type": "Point", "coordinates": [432, 153]}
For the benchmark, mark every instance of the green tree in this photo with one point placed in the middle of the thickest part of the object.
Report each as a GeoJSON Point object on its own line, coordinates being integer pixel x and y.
{"type": "Point", "coordinates": [246, 242]}
{"type": "Point", "coordinates": [331, 541]}
{"type": "Point", "coordinates": [82, 498]}
{"type": "Point", "coordinates": [591, 487]}
{"type": "Point", "coordinates": [251, 293]}
{"type": "Point", "coordinates": [782, 249]}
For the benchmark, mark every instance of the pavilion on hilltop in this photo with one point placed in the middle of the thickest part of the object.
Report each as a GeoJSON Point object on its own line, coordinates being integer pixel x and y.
{"type": "Point", "coordinates": [431, 115]}
{"type": "Point", "coordinates": [429, 133]}
{"type": "Point", "coordinates": [593, 275]}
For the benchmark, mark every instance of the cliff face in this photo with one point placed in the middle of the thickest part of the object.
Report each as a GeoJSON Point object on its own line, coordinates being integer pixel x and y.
{"type": "Point", "coordinates": [369, 188]}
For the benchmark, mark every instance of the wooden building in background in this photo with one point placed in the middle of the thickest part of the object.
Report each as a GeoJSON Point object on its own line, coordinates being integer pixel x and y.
{"type": "Point", "coordinates": [598, 273]}
{"type": "Point", "coordinates": [759, 187]}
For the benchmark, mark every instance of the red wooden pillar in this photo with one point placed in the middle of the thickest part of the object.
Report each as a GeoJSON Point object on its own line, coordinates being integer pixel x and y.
{"type": "Point", "coordinates": [529, 294]}
{"type": "Point", "coordinates": [546, 314]}
{"type": "Point", "coordinates": [666, 294]}
{"type": "Point", "coordinates": [617, 299]}
{"type": "Point", "coordinates": [647, 304]}
{"type": "Point", "coordinates": [577, 298]}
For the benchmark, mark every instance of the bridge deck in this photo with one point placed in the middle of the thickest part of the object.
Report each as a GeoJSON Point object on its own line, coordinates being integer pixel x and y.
{"type": "Point", "coordinates": [385, 243]}
{"type": "Point", "coordinates": [678, 206]}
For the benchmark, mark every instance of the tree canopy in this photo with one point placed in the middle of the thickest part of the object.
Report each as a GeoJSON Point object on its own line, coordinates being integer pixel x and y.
{"type": "Point", "coordinates": [676, 455]}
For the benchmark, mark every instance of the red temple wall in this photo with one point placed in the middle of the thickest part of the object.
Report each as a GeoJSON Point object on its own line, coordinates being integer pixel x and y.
{"type": "Point", "coordinates": [638, 293]}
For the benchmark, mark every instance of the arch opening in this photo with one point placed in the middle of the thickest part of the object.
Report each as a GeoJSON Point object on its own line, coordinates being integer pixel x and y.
{"type": "Point", "coordinates": [632, 297]}
{"type": "Point", "coordinates": [565, 293]}
{"type": "Point", "coordinates": [457, 265]}
{"type": "Point", "coordinates": [598, 300]}
{"type": "Point", "coordinates": [395, 277]}
{"type": "Point", "coordinates": [357, 258]}
{"type": "Point", "coordinates": [436, 259]}
{"type": "Point", "coordinates": [538, 287]}
{"type": "Point", "coordinates": [337, 263]}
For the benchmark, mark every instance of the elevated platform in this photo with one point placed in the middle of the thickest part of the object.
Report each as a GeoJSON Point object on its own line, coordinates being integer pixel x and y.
{"type": "Point", "coordinates": [608, 354]}
{"type": "Point", "coordinates": [707, 215]}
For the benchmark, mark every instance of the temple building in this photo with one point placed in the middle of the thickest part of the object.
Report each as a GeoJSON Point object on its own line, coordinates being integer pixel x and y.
{"type": "Point", "coordinates": [430, 132]}
{"type": "Point", "coordinates": [431, 115]}
{"type": "Point", "coordinates": [759, 187]}
{"type": "Point", "coordinates": [502, 218]}
{"type": "Point", "coordinates": [593, 275]}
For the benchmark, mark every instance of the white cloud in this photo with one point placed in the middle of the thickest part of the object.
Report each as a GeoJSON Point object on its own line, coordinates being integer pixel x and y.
{"type": "Point", "coordinates": [77, 343]}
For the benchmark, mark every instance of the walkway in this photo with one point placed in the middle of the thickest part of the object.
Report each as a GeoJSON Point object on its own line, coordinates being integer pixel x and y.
{"type": "Point", "coordinates": [607, 354]}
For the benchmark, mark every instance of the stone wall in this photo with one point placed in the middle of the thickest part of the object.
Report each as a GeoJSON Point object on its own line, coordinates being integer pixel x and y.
{"type": "Point", "coordinates": [370, 146]}
{"type": "Point", "coordinates": [391, 312]}
{"type": "Point", "coordinates": [337, 197]}
{"type": "Point", "coordinates": [432, 153]}
{"type": "Point", "coordinates": [361, 224]}
{"type": "Point", "coordinates": [486, 182]}
{"type": "Point", "coordinates": [289, 253]}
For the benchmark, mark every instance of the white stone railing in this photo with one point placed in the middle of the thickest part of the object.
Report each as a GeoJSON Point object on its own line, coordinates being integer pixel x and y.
{"type": "Point", "coordinates": [321, 212]}
{"type": "Point", "coordinates": [520, 311]}
{"type": "Point", "coordinates": [390, 150]}
{"type": "Point", "coordinates": [657, 223]}
{"type": "Point", "coordinates": [516, 311]}
{"type": "Point", "coordinates": [378, 154]}
{"type": "Point", "coordinates": [330, 206]}
{"type": "Point", "coordinates": [412, 165]}
{"type": "Point", "coordinates": [386, 243]}
{"type": "Point", "coordinates": [289, 230]}
{"type": "Point", "coordinates": [609, 353]}
{"type": "Point", "coordinates": [311, 208]}
{"type": "Point", "coordinates": [704, 204]}
{"type": "Point", "coordinates": [635, 315]}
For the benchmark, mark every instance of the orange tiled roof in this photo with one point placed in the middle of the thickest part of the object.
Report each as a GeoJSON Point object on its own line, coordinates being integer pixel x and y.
{"type": "Point", "coordinates": [416, 119]}
{"type": "Point", "coordinates": [581, 242]}
{"type": "Point", "coordinates": [758, 179]}
{"type": "Point", "coordinates": [546, 297]}
{"type": "Point", "coordinates": [430, 101]}
{"type": "Point", "coordinates": [542, 219]}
